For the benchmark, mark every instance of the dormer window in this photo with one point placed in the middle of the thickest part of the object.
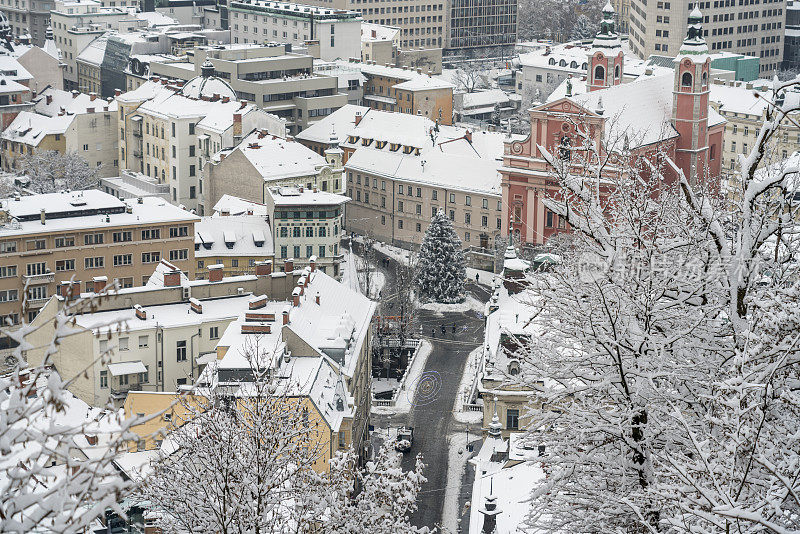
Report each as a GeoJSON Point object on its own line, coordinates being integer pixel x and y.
{"type": "Point", "coordinates": [352, 139]}
{"type": "Point", "coordinates": [407, 149]}
{"type": "Point", "coordinates": [366, 142]}
{"type": "Point", "coordinates": [230, 239]}
{"type": "Point", "coordinates": [552, 61]}
{"type": "Point", "coordinates": [380, 144]}
{"type": "Point", "coordinates": [394, 147]}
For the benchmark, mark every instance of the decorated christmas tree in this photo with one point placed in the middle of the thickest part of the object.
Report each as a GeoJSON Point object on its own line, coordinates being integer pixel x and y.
{"type": "Point", "coordinates": [441, 270]}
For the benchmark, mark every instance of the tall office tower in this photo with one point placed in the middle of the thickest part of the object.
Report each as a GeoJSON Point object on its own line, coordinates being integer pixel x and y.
{"type": "Point", "coordinates": [750, 27]}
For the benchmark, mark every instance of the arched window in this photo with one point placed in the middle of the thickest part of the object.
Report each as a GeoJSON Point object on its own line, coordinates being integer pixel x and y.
{"type": "Point", "coordinates": [599, 73]}
{"type": "Point", "coordinates": [686, 79]}
{"type": "Point", "coordinates": [562, 63]}
{"type": "Point", "coordinates": [573, 65]}
{"type": "Point", "coordinates": [616, 72]}
{"type": "Point", "coordinates": [585, 66]}
{"type": "Point", "coordinates": [552, 61]}
{"type": "Point", "coordinates": [705, 78]}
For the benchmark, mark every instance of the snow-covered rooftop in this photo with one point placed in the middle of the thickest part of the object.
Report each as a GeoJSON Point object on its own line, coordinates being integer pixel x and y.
{"type": "Point", "coordinates": [238, 206]}
{"type": "Point", "coordinates": [166, 315]}
{"type": "Point", "coordinates": [336, 125]}
{"type": "Point", "coordinates": [293, 196]}
{"type": "Point", "coordinates": [234, 235]}
{"type": "Point", "coordinates": [52, 101]}
{"type": "Point", "coordinates": [85, 209]}
{"type": "Point", "coordinates": [378, 32]}
{"type": "Point", "coordinates": [276, 158]}
{"type": "Point", "coordinates": [30, 128]}
{"type": "Point", "coordinates": [640, 109]}
{"type": "Point", "coordinates": [11, 68]}
{"type": "Point", "coordinates": [94, 51]}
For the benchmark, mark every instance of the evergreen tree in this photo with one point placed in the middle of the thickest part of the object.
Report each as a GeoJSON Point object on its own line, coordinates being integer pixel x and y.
{"type": "Point", "coordinates": [441, 270]}
{"type": "Point", "coordinates": [583, 29]}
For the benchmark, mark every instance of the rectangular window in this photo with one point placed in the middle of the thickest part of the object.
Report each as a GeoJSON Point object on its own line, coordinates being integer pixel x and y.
{"type": "Point", "coordinates": [123, 343]}
{"type": "Point", "coordinates": [400, 206]}
{"type": "Point", "coordinates": [453, 198]}
{"type": "Point", "coordinates": [123, 259]}
{"type": "Point", "coordinates": [549, 219]}
{"type": "Point", "coordinates": [93, 239]}
{"type": "Point", "coordinates": [434, 195]}
{"type": "Point", "coordinates": [178, 255]}
{"type": "Point", "coordinates": [33, 269]}
{"type": "Point", "coordinates": [96, 262]}
{"type": "Point", "coordinates": [213, 332]}
{"type": "Point", "coordinates": [65, 265]}
{"type": "Point", "coordinates": [8, 271]}
{"type": "Point", "coordinates": [485, 204]}
{"type": "Point", "coordinates": [180, 351]}
{"type": "Point", "coordinates": [178, 231]}
{"type": "Point", "coordinates": [151, 257]}
{"type": "Point", "coordinates": [400, 223]}
{"type": "Point", "coordinates": [121, 237]}
{"type": "Point", "coordinates": [512, 419]}
{"type": "Point", "coordinates": [152, 233]}
{"type": "Point", "coordinates": [144, 341]}
{"type": "Point", "coordinates": [9, 295]}
{"type": "Point", "coordinates": [468, 200]}
{"type": "Point", "coordinates": [103, 379]}
{"type": "Point", "coordinates": [66, 241]}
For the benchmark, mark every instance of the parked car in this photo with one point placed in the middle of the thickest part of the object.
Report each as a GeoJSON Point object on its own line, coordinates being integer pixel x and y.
{"type": "Point", "coordinates": [405, 439]}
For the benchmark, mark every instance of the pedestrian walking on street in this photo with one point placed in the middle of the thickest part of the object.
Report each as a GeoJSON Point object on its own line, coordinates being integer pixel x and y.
{"type": "Point", "coordinates": [476, 278]}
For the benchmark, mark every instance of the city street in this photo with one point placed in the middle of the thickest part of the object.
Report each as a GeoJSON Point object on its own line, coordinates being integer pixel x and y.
{"type": "Point", "coordinates": [433, 422]}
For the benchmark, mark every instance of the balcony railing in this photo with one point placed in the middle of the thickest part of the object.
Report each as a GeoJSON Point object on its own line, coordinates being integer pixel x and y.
{"type": "Point", "coordinates": [43, 278]}
{"type": "Point", "coordinates": [121, 391]}
{"type": "Point", "coordinates": [37, 303]}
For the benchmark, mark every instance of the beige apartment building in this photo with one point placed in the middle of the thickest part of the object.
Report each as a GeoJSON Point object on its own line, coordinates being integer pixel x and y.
{"type": "Point", "coordinates": [745, 113]}
{"type": "Point", "coordinates": [404, 90]}
{"type": "Point", "coordinates": [84, 236]}
{"type": "Point", "coordinates": [401, 169]}
{"type": "Point", "coordinates": [167, 131]}
{"type": "Point", "coordinates": [261, 161]}
{"type": "Point", "coordinates": [740, 26]}
{"type": "Point", "coordinates": [281, 83]}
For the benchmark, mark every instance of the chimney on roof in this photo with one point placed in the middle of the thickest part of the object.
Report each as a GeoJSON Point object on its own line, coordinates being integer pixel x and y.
{"type": "Point", "coordinates": [468, 136]}
{"type": "Point", "coordinates": [237, 125]}
{"type": "Point", "coordinates": [358, 117]}
{"type": "Point", "coordinates": [242, 104]}
{"type": "Point", "coordinates": [296, 297]}
{"type": "Point", "coordinates": [172, 279]}
{"type": "Point", "coordinates": [75, 93]}
{"type": "Point", "coordinates": [117, 92]}
{"type": "Point", "coordinates": [141, 314]}
{"type": "Point", "coordinates": [215, 272]}
{"type": "Point", "coordinates": [288, 265]}
{"type": "Point", "coordinates": [155, 79]}
{"type": "Point", "coordinates": [264, 268]}
{"type": "Point", "coordinates": [91, 439]}
{"type": "Point", "coordinates": [226, 99]}
{"type": "Point", "coordinates": [215, 97]}
{"type": "Point", "coordinates": [99, 283]}
{"type": "Point", "coordinates": [312, 262]}
{"type": "Point", "coordinates": [256, 303]}
{"type": "Point", "coordinates": [92, 97]}
{"type": "Point", "coordinates": [48, 99]}
{"type": "Point", "coordinates": [42, 216]}
{"type": "Point", "coordinates": [164, 81]}
{"type": "Point", "coordinates": [195, 305]}
{"type": "Point", "coordinates": [302, 285]}
{"type": "Point", "coordinates": [285, 316]}
{"type": "Point", "coordinates": [89, 110]}
{"type": "Point", "coordinates": [316, 298]}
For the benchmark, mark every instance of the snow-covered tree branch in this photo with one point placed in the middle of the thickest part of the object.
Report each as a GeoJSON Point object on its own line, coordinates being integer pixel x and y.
{"type": "Point", "coordinates": [47, 481]}
{"type": "Point", "coordinates": [666, 368]}
{"type": "Point", "coordinates": [50, 171]}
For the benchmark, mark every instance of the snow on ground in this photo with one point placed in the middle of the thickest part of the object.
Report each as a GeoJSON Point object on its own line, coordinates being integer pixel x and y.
{"type": "Point", "coordinates": [471, 303]}
{"type": "Point", "coordinates": [471, 368]}
{"type": "Point", "coordinates": [484, 277]}
{"type": "Point", "coordinates": [414, 371]}
{"type": "Point", "coordinates": [381, 385]}
{"type": "Point", "coordinates": [457, 457]}
{"type": "Point", "coordinates": [351, 280]}
{"type": "Point", "coordinates": [398, 254]}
